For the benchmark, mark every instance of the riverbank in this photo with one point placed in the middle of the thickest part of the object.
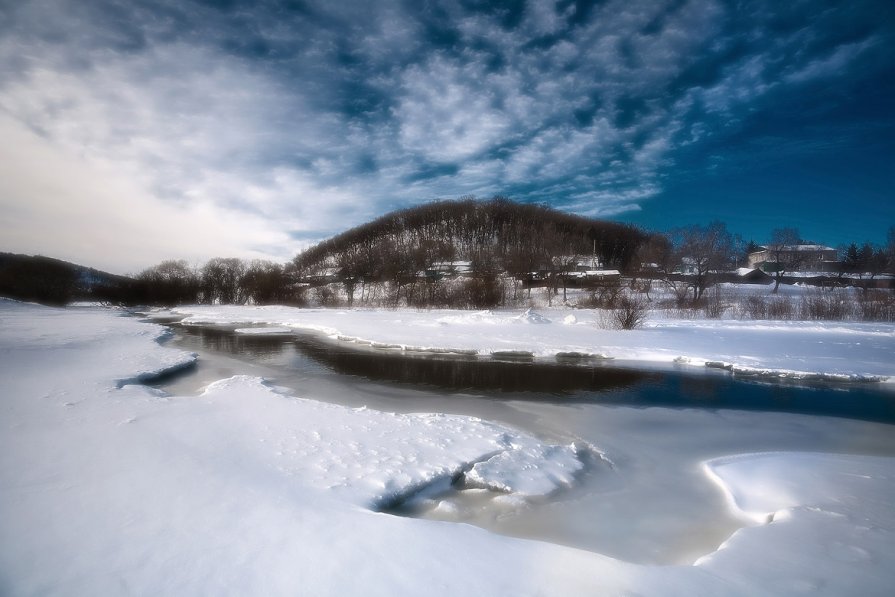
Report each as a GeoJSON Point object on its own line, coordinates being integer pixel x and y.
{"type": "Point", "coordinates": [826, 351]}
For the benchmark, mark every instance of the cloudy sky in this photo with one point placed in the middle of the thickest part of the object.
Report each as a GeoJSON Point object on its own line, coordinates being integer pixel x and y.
{"type": "Point", "coordinates": [138, 130]}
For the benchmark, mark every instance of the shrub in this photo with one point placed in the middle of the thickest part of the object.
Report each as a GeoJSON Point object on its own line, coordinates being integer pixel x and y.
{"type": "Point", "coordinates": [602, 297]}
{"type": "Point", "coordinates": [822, 305]}
{"type": "Point", "coordinates": [780, 307]}
{"type": "Point", "coordinates": [482, 291]}
{"type": "Point", "coordinates": [715, 303]}
{"type": "Point", "coordinates": [325, 296]}
{"type": "Point", "coordinates": [877, 305]}
{"type": "Point", "coordinates": [631, 312]}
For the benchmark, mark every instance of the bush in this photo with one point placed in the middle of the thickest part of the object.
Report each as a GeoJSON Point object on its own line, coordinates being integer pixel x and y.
{"type": "Point", "coordinates": [877, 305]}
{"type": "Point", "coordinates": [715, 303]}
{"type": "Point", "coordinates": [762, 307]}
{"type": "Point", "coordinates": [482, 292]}
{"type": "Point", "coordinates": [630, 314]}
{"type": "Point", "coordinates": [325, 296]}
{"type": "Point", "coordinates": [820, 305]}
{"type": "Point", "coordinates": [602, 297]}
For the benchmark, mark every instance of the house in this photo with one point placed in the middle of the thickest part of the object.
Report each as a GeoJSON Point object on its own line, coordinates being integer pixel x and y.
{"type": "Point", "coordinates": [752, 276]}
{"type": "Point", "coordinates": [688, 266]}
{"type": "Point", "coordinates": [816, 258]}
{"type": "Point", "coordinates": [587, 265]}
{"type": "Point", "coordinates": [448, 269]}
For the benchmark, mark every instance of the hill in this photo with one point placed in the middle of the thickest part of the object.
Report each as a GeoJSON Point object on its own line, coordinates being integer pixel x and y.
{"type": "Point", "coordinates": [53, 281]}
{"type": "Point", "coordinates": [497, 235]}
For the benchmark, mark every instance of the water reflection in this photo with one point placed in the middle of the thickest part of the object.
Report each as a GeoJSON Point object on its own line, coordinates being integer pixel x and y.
{"type": "Point", "coordinates": [584, 382]}
{"type": "Point", "coordinates": [228, 341]}
{"type": "Point", "coordinates": [468, 373]}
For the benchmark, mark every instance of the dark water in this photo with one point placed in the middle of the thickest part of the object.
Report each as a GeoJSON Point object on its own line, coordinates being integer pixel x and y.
{"type": "Point", "coordinates": [607, 383]}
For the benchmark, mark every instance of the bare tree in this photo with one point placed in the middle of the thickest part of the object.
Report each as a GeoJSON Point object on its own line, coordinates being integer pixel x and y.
{"type": "Point", "coordinates": [222, 281]}
{"type": "Point", "coordinates": [706, 249]}
{"type": "Point", "coordinates": [170, 283]}
{"type": "Point", "coordinates": [264, 282]}
{"type": "Point", "coordinates": [783, 242]}
{"type": "Point", "coordinates": [654, 258]}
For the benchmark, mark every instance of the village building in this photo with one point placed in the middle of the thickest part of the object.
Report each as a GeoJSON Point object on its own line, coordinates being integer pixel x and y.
{"type": "Point", "coordinates": [813, 258]}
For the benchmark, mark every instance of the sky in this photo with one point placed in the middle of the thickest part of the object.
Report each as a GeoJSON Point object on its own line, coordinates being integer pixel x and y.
{"type": "Point", "coordinates": [140, 130]}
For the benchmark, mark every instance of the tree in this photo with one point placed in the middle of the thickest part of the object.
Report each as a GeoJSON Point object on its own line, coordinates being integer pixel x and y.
{"type": "Point", "coordinates": [706, 248]}
{"type": "Point", "coordinates": [783, 241]}
{"type": "Point", "coordinates": [171, 282]}
{"type": "Point", "coordinates": [751, 247]}
{"type": "Point", "coordinates": [654, 258]}
{"type": "Point", "coordinates": [222, 281]}
{"type": "Point", "coordinates": [265, 282]}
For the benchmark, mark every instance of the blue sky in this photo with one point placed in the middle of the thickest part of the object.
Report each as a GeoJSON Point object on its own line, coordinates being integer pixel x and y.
{"type": "Point", "coordinates": [141, 130]}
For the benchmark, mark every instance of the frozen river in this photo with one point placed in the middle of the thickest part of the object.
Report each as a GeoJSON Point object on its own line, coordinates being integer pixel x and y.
{"type": "Point", "coordinates": [648, 502]}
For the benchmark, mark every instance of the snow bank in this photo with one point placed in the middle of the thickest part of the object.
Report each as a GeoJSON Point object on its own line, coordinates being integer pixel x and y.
{"type": "Point", "coordinates": [831, 510]}
{"type": "Point", "coordinates": [827, 351]}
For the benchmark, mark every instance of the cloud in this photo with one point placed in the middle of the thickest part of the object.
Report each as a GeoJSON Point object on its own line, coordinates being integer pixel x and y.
{"type": "Point", "coordinates": [53, 197]}
{"type": "Point", "coordinates": [299, 120]}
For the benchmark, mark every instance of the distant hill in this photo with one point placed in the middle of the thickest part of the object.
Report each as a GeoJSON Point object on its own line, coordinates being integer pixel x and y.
{"type": "Point", "coordinates": [493, 235]}
{"type": "Point", "coordinates": [53, 281]}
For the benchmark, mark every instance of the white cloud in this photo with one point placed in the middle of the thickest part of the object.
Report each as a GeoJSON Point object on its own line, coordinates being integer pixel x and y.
{"type": "Point", "coordinates": [449, 112]}
{"type": "Point", "coordinates": [58, 203]}
{"type": "Point", "coordinates": [831, 65]}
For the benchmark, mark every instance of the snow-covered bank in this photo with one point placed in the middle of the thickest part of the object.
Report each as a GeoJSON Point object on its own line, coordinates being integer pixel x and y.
{"type": "Point", "coordinates": [246, 489]}
{"type": "Point", "coordinates": [829, 351]}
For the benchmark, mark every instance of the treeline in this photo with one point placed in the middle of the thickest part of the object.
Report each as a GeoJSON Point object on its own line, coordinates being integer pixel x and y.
{"type": "Point", "coordinates": [463, 254]}
{"type": "Point", "coordinates": [220, 280]}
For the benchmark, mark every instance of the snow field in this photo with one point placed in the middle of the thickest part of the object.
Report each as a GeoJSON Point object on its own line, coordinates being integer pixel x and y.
{"type": "Point", "coordinates": [114, 488]}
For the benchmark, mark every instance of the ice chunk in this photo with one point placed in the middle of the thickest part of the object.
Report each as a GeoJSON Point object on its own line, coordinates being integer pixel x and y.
{"type": "Point", "coordinates": [533, 469]}
{"type": "Point", "coordinates": [266, 331]}
{"type": "Point", "coordinates": [530, 316]}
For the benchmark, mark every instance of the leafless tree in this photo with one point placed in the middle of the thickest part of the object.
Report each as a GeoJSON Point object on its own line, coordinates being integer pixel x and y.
{"type": "Point", "coordinates": [705, 248]}
{"type": "Point", "coordinates": [783, 241]}
{"type": "Point", "coordinates": [170, 282]}
{"type": "Point", "coordinates": [222, 281]}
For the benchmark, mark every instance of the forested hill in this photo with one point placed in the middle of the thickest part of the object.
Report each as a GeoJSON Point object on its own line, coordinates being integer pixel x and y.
{"type": "Point", "coordinates": [495, 235]}
{"type": "Point", "coordinates": [52, 281]}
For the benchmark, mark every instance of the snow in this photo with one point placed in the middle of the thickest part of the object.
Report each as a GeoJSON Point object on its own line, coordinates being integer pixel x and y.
{"type": "Point", "coordinates": [527, 470]}
{"type": "Point", "coordinates": [826, 507]}
{"type": "Point", "coordinates": [113, 488]}
{"type": "Point", "coordinates": [827, 351]}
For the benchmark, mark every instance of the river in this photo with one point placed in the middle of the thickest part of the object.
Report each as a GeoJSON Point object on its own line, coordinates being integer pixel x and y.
{"type": "Point", "coordinates": [653, 504]}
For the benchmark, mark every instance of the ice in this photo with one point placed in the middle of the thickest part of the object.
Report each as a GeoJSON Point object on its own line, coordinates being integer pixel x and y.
{"type": "Point", "coordinates": [265, 331]}
{"type": "Point", "coordinates": [528, 469]}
